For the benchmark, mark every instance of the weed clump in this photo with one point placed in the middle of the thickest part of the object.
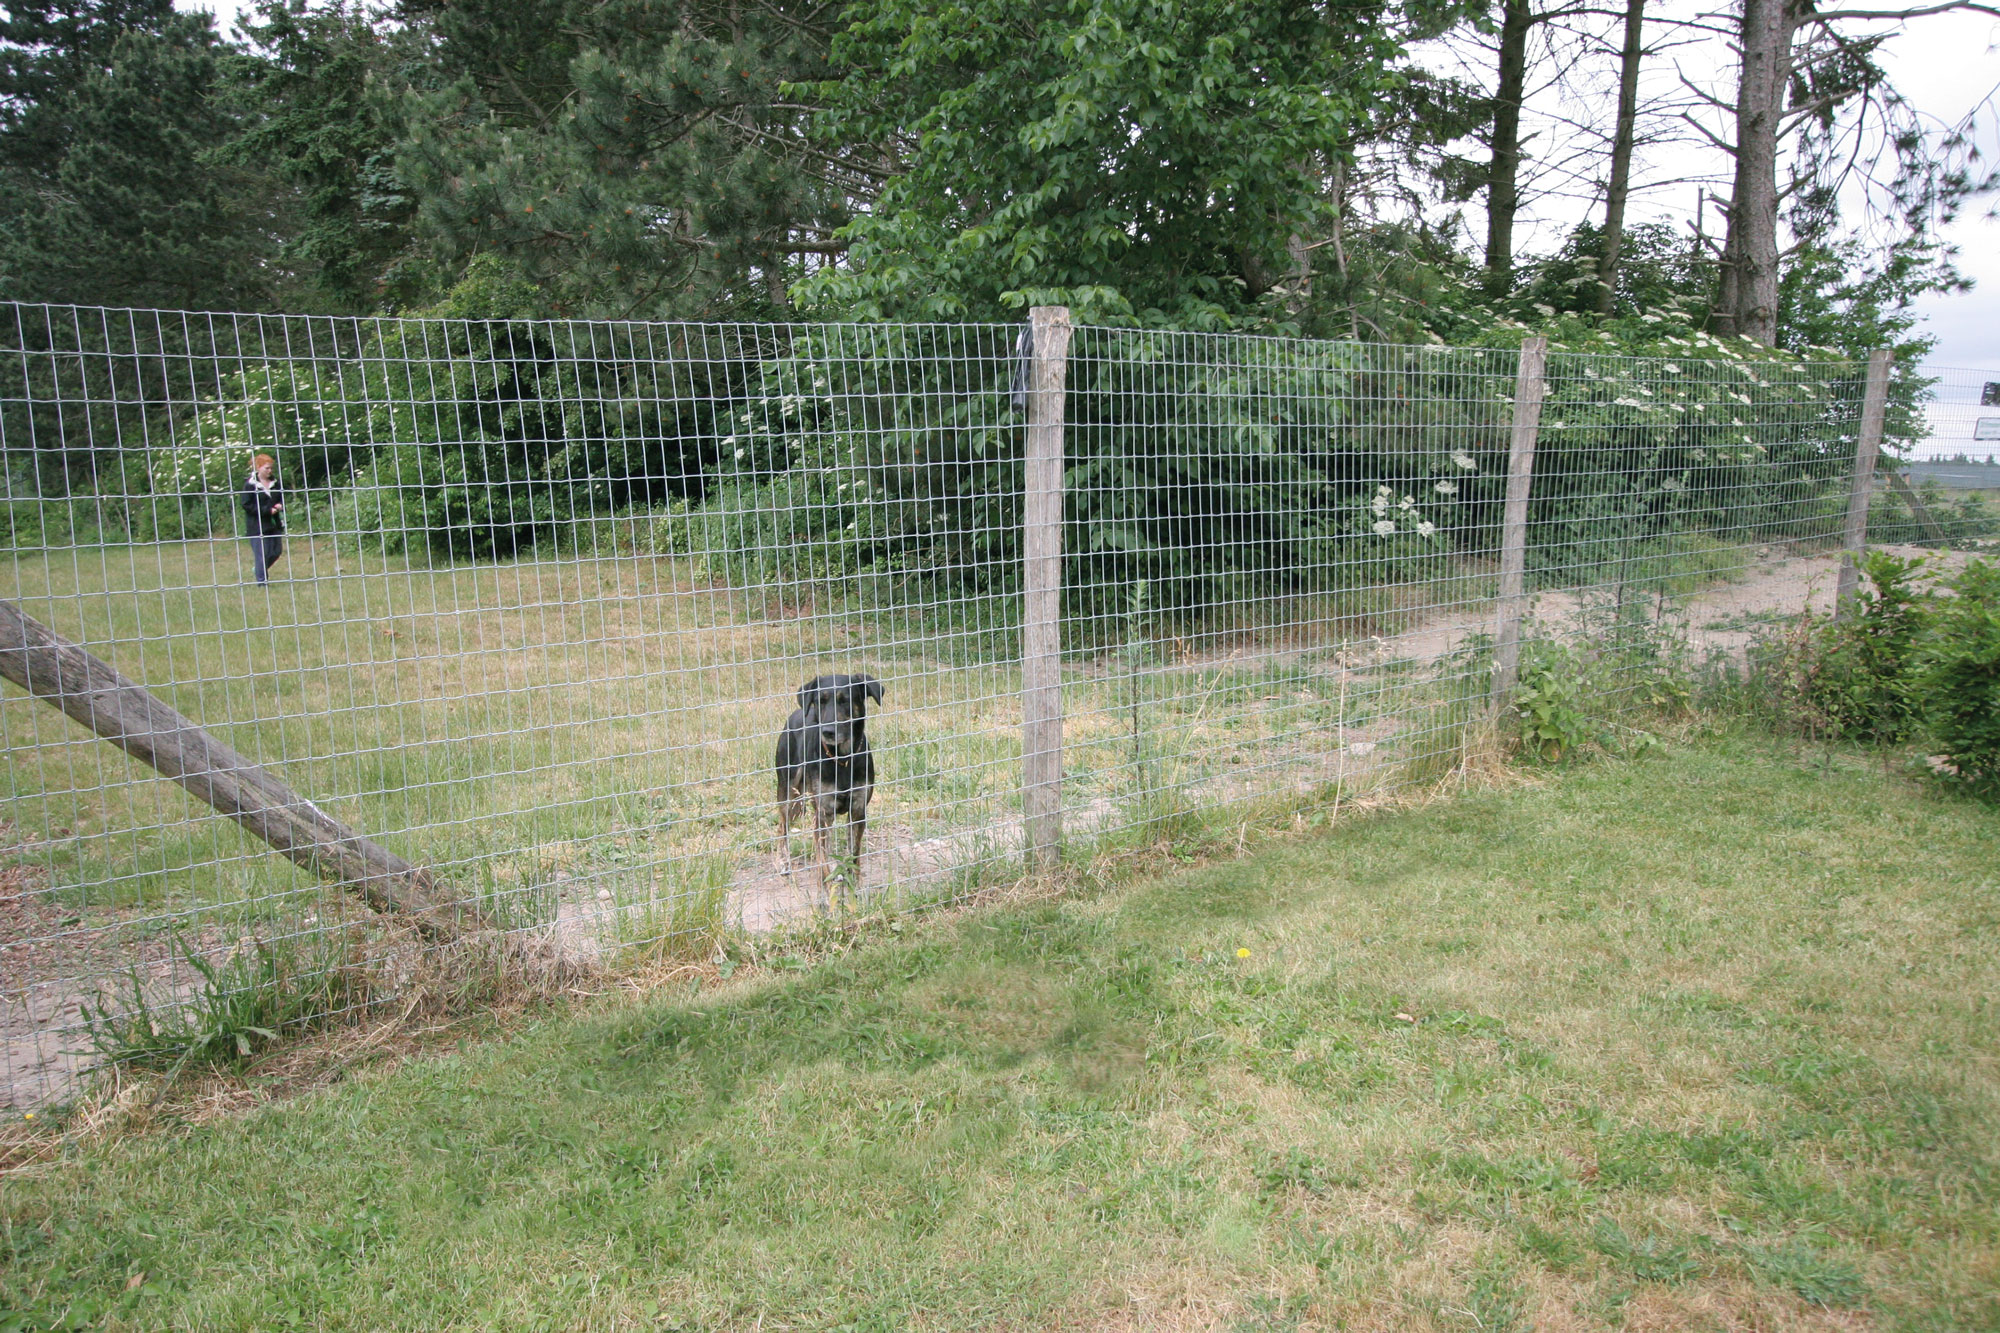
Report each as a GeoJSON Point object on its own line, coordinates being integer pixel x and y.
{"type": "Point", "coordinates": [241, 1002]}
{"type": "Point", "coordinates": [1912, 658]}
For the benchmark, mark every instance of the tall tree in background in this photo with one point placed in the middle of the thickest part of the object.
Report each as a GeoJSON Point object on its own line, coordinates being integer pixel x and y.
{"type": "Point", "coordinates": [109, 118]}
{"type": "Point", "coordinates": [1618, 188]}
{"type": "Point", "coordinates": [1130, 158]}
{"type": "Point", "coordinates": [1503, 197]}
{"type": "Point", "coordinates": [1533, 50]}
{"type": "Point", "coordinates": [1747, 302]}
{"type": "Point", "coordinates": [48, 48]}
{"type": "Point", "coordinates": [318, 95]}
{"type": "Point", "coordinates": [1799, 72]}
{"type": "Point", "coordinates": [629, 157]}
{"type": "Point", "coordinates": [1381, 267]}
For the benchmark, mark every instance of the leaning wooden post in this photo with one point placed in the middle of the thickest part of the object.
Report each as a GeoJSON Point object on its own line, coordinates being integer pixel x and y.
{"type": "Point", "coordinates": [1874, 404]}
{"type": "Point", "coordinates": [1041, 611]}
{"type": "Point", "coordinates": [1899, 481]}
{"type": "Point", "coordinates": [1528, 390]}
{"type": "Point", "coordinates": [92, 692]}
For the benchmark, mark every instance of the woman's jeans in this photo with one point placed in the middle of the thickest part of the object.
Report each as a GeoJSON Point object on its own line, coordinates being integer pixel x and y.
{"type": "Point", "coordinates": [264, 552]}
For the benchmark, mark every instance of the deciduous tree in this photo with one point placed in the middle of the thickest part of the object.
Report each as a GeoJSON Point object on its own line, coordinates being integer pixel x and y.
{"type": "Point", "coordinates": [1133, 159]}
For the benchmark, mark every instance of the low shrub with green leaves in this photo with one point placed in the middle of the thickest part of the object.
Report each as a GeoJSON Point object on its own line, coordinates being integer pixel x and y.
{"type": "Point", "coordinates": [1581, 691]}
{"type": "Point", "coordinates": [1913, 657]}
{"type": "Point", "coordinates": [1552, 716]}
{"type": "Point", "coordinates": [1957, 672]}
{"type": "Point", "coordinates": [1961, 521]}
{"type": "Point", "coordinates": [1861, 671]}
{"type": "Point", "coordinates": [1227, 469]}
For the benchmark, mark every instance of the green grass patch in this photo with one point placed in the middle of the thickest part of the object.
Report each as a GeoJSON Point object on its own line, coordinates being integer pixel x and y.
{"type": "Point", "coordinates": [1702, 1039]}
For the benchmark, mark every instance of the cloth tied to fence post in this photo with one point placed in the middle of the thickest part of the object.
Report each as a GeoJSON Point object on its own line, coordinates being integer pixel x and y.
{"type": "Point", "coordinates": [1528, 390]}
{"type": "Point", "coordinates": [1867, 447]}
{"type": "Point", "coordinates": [1041, 611]}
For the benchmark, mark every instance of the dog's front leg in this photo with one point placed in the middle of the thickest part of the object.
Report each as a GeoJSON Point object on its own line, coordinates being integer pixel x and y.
{"type": "Point", "coordinates": [788, 813]}
{"type": "Point", "coordinates": [821, 852]}
{"type": "Point", "coordinates": [857, 827]}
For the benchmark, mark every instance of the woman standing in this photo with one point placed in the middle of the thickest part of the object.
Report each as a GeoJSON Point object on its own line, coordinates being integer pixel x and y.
{"type": "Point", "coordinates": [264, 514]}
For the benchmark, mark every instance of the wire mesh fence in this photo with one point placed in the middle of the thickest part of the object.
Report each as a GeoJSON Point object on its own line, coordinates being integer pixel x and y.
{"type": "Point", "coordinates": [1943, 492]}
{"type": "Point", "coordinates": [550, 600]}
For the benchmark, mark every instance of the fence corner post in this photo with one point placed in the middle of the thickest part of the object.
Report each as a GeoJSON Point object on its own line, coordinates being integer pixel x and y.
{"type": "Point", "coordinates": [1528, 391]}
{"type": "Point", "coordinates": [1041, 610]}
{"type": "Point", "coordinates": [1867, 448]}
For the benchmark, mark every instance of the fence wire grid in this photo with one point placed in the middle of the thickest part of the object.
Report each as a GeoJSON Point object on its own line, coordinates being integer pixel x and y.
{"type": "Point", "coordinates": [548, 593]}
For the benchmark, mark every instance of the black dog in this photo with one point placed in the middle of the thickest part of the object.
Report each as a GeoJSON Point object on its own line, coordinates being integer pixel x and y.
{"type": "Point", "coordinates": [823, 754]}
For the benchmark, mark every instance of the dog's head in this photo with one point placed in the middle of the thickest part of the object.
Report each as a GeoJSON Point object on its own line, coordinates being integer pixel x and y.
{"type": "Point", "coordinates": [835, 708]}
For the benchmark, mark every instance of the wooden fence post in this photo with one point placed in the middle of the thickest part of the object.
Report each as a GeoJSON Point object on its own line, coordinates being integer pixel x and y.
{"type": "Point", "coordinates": [1528, 391]}
{"type": "Point", "coordinates": [92, 692]}
{"type": "Point", "coordinates": [1867, 448]}
{"type": "Point", "coordinates": [1041, 611]}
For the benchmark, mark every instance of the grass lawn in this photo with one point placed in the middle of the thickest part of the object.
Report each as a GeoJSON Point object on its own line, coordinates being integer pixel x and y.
{"type": "Point", "coordinates": [608, 720]}
{"type": "Point", "coordinates": [1700, 1040]}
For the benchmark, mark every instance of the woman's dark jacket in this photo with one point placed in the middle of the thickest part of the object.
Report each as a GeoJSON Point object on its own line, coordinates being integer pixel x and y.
{"type": "Point", "coordinates": [259, 509]}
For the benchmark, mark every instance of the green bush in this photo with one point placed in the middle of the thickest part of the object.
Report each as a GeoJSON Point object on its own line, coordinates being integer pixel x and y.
{"type": "Point", "coordinates": [313, 417]}
{"type": "Point", "coordinates": [1571, 693]}
{"type": "Point", "coordinates": [805, 526]}
{"type": "Point", "coordinates": [1221, 470]}
{"type": "Point", "coordinates": [1957, 677]}
{"type": "Point", "coordinates": [125, 509]}
{"type": "Point", "coordinates": [1551, 700]}
{"type": "Point", "coordinates": [1908, 661]}
{"type": "Point", "coordinates": [1858, 674]}
{"type": "Point", "coordinates": [1965, 521]}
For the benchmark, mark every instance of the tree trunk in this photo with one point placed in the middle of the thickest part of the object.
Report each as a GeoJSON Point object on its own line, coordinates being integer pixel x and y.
{"type": "Point", "coordinates": [90, 691]}
{"type": "Point", "coordinates": [1620, 186]}
{"type": "Point", "coordinates": [1747, 302]}
{"type": "Point", "coordinates": [1503, 189]}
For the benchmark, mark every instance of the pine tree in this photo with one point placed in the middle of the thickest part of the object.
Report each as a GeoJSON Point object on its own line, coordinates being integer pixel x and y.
{"type": "Point", "coordinates": [629, 158]}
{"type": "Point", "coordinates": [115, 194]}
{"type": "Point", "coordinates": [318, 93]}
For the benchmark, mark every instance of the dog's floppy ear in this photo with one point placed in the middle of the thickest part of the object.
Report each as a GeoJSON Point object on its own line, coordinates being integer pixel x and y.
{"type": "Point", "coordinates": [810, 691]}
{"type": "Point", "coordinates": [867, 685]}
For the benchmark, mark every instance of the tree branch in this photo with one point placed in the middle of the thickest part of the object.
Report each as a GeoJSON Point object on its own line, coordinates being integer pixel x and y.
{"type": "Point", "coordinates": [1828, 19]}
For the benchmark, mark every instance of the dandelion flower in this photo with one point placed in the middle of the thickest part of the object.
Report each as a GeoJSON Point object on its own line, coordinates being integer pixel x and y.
{"type": "Point", "coordinates": [1242, 953]}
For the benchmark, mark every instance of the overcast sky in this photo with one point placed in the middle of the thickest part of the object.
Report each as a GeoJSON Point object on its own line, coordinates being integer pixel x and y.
{"type": "Point", "coordinates": [1945, 64]}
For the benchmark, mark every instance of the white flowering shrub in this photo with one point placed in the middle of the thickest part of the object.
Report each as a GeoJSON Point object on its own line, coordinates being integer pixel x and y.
{"type": "Point", "coordinates": [311, 417]}
{"type": "Point", "coordinates": [1654, 430]}
{"type": "Point", "coordinates": [1390, 536]}
{"type": "Point", "coordinates": [859, 452]}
